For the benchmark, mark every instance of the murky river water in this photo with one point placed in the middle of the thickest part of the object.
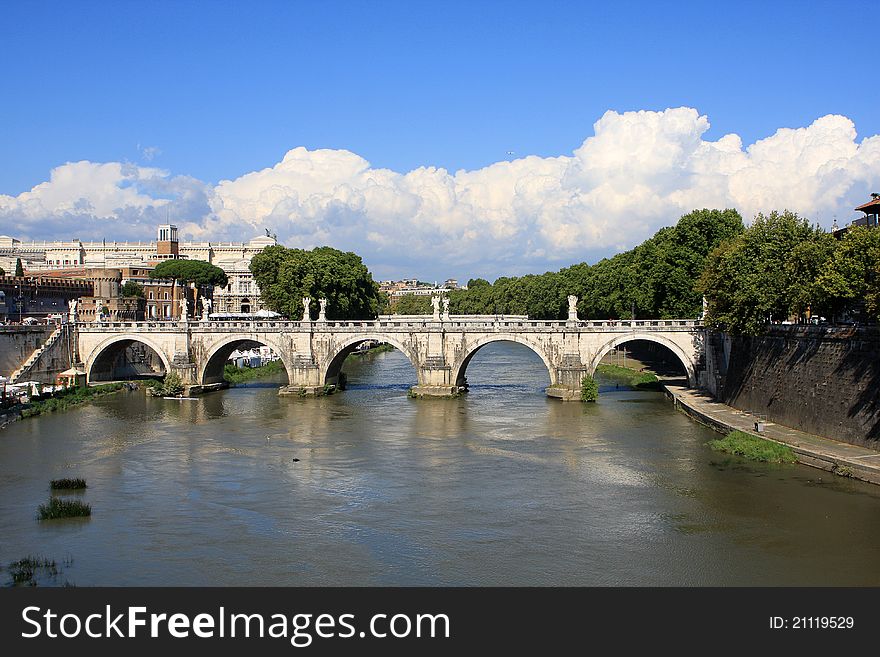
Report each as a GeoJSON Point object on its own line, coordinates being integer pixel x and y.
{"type": "Point", "coordinates": [500, 487]}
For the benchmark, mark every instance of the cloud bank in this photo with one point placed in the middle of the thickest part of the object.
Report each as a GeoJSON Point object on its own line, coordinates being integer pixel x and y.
{"type": "Point", "coordinates": [638, 172]}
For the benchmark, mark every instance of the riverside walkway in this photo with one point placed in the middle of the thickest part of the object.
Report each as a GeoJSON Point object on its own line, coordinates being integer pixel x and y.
{"type": "Point", "coordinates": [834, 456]}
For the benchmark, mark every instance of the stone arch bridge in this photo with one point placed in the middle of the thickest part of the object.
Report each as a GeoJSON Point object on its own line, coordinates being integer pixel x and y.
{"type": "Point", "coordinates": [313, 351]}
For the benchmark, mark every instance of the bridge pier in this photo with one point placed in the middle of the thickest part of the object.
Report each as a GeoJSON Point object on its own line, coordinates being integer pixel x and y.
{"type": "Point", "coordinates": [304, 379]}
{"type": "Point", "coordinates": [441, 391]}
{"type": "Point", "coordinates": [569, 377]}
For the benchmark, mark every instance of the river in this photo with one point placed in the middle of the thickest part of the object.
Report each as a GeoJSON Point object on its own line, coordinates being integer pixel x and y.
{"type": "Point", "coordinates": [368, 487]}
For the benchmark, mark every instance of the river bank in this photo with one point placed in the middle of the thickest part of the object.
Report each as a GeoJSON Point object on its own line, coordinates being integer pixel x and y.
{"type": "Point", "coordinates": [636, 379]}
{"type": "Point", "coordinates": [233, 374]}
{"type": "Point", "coordinates": [60, 401]}
{"type": "Point", "coordinates": [378, 349]}
{"type": "Point", "coordinates": [827, 454]}
{"type": "Point", "coordinates": [840, 458]}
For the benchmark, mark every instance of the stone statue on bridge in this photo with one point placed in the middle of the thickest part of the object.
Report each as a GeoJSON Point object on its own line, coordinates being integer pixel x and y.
{"type": "Point", "coordinates": [184, 309]}
{"type": "Point", "coordinates": [206, 309]}
{"type": "Point", "coordinates": [572, 308]}
{"type": "Point", "coordinates": [435, 302]}
{"type": "Point", "coordinates": [322, 313]}
{"type": "Point", "coordinates": [307, 301]}
{"type": "Point", "coordinates": [72, 313]}
{"type": "Point", "coordinates": [445, 309]}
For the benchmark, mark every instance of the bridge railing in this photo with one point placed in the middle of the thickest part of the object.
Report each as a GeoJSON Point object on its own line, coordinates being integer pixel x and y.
{"type": "Point", "coordinates": [274, 325]}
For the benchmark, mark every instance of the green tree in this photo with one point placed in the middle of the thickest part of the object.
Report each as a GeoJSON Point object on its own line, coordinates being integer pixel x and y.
{"type": "Point", "coordinates": [202, 273]}
{"type": "Point", "coordinates": [285, 276]}
{"type": "Point", "coordinates": [412, 304]}
{"type": "Point", "coordinates": [132, 289]}
{"type": "Point", "coordinates": [804, 266]}
{"type": "Point", "coordinates": [475, 300]}
{"type": "Point", "coordinates": [384, 303]}
{"type": "Point", "coordinates": [19, 270]}
{"type": "Point", "coordinates": [756, 277]}
{"type": "Point", "coordinates": [658, 278]}
{"type": "Point", "coordinates": [852, 274]}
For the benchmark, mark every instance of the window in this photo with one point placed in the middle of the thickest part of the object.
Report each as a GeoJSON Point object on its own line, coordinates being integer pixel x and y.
{"type": "Point", "coordinates": [151, 295]}
{"type": "Point", "coordinates": [166, 296]}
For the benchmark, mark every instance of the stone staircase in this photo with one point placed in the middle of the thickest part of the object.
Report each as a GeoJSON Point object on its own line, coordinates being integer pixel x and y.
{"type": "Point", "coordinates": [22, 371]}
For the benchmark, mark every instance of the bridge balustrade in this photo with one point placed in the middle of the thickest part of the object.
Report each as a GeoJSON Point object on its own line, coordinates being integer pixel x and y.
{"type": "Point", "coordinates": [428, 323]}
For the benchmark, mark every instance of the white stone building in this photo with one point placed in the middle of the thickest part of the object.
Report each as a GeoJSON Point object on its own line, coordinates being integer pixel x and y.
{"type": "Point", "coordinates": [240, 295]}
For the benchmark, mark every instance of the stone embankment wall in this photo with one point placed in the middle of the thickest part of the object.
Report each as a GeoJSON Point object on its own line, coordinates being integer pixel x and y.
{"type": "Point", "coordinates": [17, 343]}
{"type": "Point", "coordinates": [825, 381]}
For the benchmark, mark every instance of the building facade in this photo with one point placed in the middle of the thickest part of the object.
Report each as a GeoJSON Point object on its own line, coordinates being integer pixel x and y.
{"type": "Point", "coordinates": [39, 296]}
{"type": "Point", "coordinates": [240, 295]}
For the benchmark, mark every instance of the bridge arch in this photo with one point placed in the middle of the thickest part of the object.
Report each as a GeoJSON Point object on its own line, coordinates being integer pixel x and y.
{"type": "Point", "coordinates": [332, 365]}
{"type": "Point", "coordinates": [211, 368]}
{"type": "Point", "coordinates": [459, 368]}
{"type": "Point", "coordinates": [107, 352]}
{"type": "Point", "coordinates": [687, 361]}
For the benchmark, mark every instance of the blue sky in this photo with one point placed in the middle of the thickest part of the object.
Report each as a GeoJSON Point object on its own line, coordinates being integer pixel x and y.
{"type": "Point", "coordinates": [210, 91]}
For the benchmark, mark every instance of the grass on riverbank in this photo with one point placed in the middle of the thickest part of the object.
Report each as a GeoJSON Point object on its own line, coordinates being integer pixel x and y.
{"type": "Point", "coordinates": [58, 508]}
{"type": "Point", "coordinates": [630, 377]}
{"type": "Point", "coordinates": [753, 448]}
{"type": "Point", "coordinates": [233, 374]}
{"type": "Point", "coordinates": [67, 484]}
{"type": "Point", "coordinates": [67, 398]}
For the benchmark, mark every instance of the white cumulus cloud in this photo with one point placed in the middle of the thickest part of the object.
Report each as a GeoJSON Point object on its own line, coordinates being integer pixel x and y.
{"type": "Point", "coordinates": [638, 172]}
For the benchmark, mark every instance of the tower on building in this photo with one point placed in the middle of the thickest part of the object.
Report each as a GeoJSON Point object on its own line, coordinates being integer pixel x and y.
{"type": "Point", "coordinates": [166, 244]}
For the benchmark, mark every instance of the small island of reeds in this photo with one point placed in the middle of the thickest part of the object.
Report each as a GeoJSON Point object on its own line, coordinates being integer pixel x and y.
{"type": "Point", "coordinates": [59, 508]}
{"type": "Point", "coordinates": [67, 484]}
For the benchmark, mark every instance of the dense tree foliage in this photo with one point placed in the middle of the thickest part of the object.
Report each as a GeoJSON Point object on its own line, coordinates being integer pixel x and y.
{"type": "Point", "coordinates": [286, 275]}
{"type": "Point", "coordinates": [852, 273]}
{"type": "Point", "coordinates": [657, 279]}
{"type": "Point", "coordinates": [132, 289]}
{"type": "Point", "coordinates": [202, 273]}
{"type": "Point", "coordinates": [411, 304]}
{"type": "Point", "coordinates": [781, 269]}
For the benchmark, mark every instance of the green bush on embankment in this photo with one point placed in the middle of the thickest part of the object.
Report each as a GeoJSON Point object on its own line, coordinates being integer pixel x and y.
{"type": "Point", "coordinates": [753, 448]}
{"type": "Point", "coordinates": [589, 389]}
{"type": "Point", "coordinates": [67, 398]}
